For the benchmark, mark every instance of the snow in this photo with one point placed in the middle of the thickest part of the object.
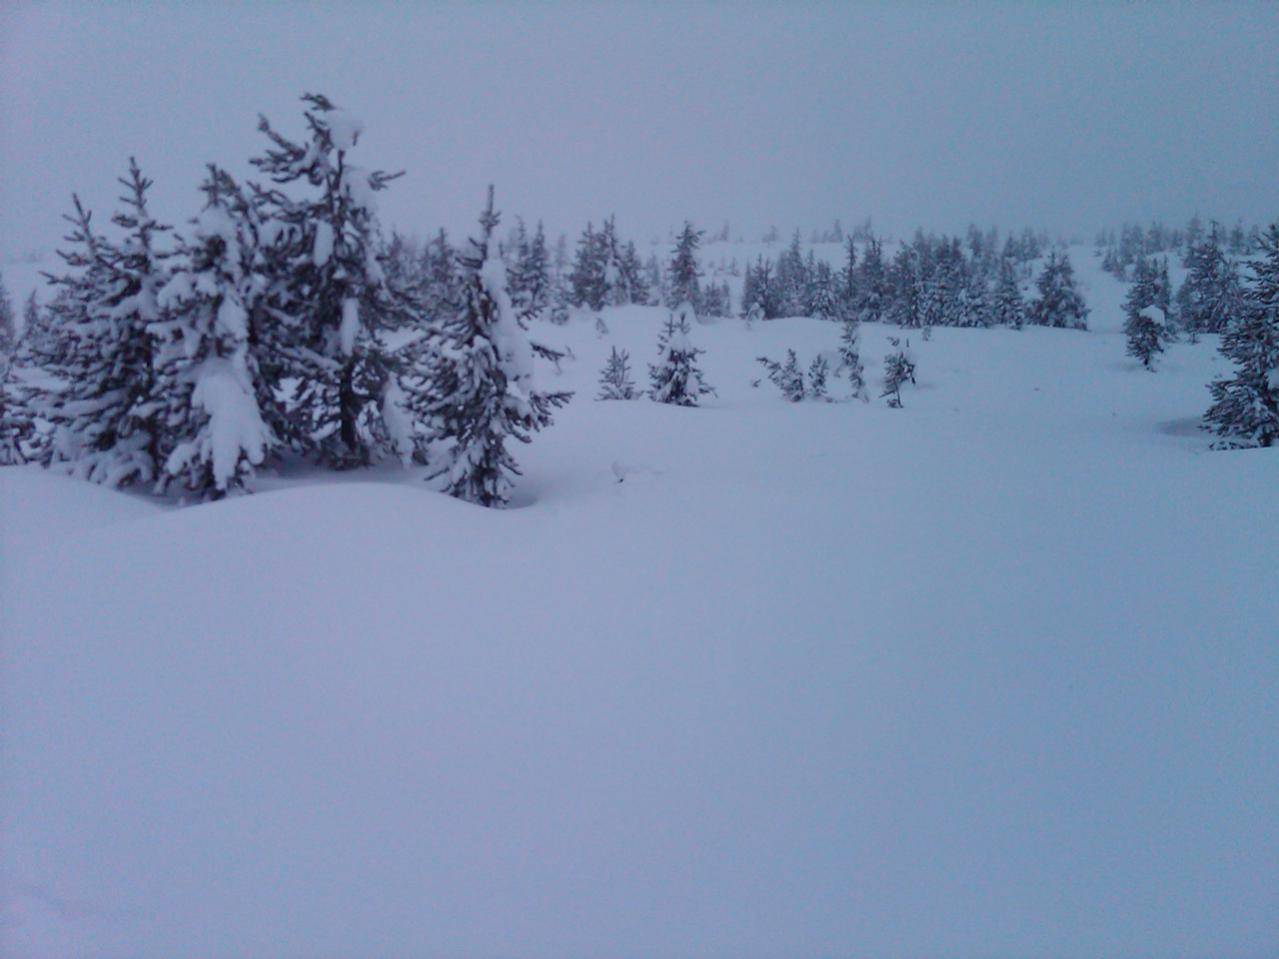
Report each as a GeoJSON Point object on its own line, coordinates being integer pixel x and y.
{"type": "Point", "coordinates": [344, 128]}
{"type": "Point", "coordinates": [992, 674]}
{"type": "Point", "coordinates": [350, 329]}
{"type": "Point", "coordinates": [511, 341]}
{"type": "Point", "coordinates": [322, 249]}
{"type": "Point", "coordinates": [235, 428]}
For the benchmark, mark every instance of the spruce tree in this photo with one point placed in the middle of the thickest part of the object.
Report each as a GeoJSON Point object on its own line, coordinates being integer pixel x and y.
{"type": "Point", "coordinates": [484, 394]}
{"type": "Point", "coordinates": [105, 417]}
{"type": "Point", "coordinates": [1245, 407]}
{"type": "Point", "coordinates": [683, 273]}
{"type": "Point", "coordinates": [676, 377]}
{"type": "Point", "coordinates": [587, 282]}
{"type": "Point", "coordinates": [787, 376]}
{"type": "Point", "coordinates": [898, 368]}
{"type": "Point", "coordinates": [1143, 320]}
{"type": "Point", "coordinates": [210, 358]}
{"type": "Point", "coordinates": [1059, 303]}
{"type": "Point", "coordinates": [327, 285]}
{"type": "Point", "coordinates": [8, 326]}
{"type": "Point", "coordinates": [1009, 308]}
{"type": "Point", "coordinates": [850, 360]}
{"type": "Point", "coordinates": [615, 380]}
{"type": "Point", "coordinates": [818, 371]}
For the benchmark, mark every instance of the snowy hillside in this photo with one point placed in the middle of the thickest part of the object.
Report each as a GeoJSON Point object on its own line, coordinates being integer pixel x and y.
{"type": "Point", "coordinates": [993, 674]}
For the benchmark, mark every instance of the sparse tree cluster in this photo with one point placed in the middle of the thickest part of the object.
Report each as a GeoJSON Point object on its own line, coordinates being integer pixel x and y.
{"type": "Point", "coordinates": [279, 323]}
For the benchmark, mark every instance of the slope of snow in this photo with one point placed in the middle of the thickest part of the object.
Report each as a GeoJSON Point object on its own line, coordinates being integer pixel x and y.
{"type": "Point", "coordinates": [993, 674]}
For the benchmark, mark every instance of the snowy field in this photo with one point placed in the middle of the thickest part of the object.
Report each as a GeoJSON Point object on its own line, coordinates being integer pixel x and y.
{"type": "Point", "coordinates": [994, 674]}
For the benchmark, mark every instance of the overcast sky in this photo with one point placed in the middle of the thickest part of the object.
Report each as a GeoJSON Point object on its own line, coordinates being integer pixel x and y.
{"type": "Point", "coordinates": [1066, 116]}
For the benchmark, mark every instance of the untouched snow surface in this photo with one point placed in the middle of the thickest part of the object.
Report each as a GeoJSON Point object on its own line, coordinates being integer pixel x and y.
{"type": "Point", "coordinates": [992, 675]}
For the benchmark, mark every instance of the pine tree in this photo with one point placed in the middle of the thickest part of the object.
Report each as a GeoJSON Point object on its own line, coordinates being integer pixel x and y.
{"type": "Point", "coordinates": [615, 380]}
{"type": "Point", "coordinates": [787, 376]}
{"type": "Point", "coordinates": [327, 286]}
{"type": "Point", "coordinates": [683, 272]}
{"type": "Point", "coordinates": [1211, 295]}
{"type": "Point", "coordinates": [871, 283]}
{"type": "Point", "coordinates": [1009, 308]}
{"type": "Point", "coordinates": [210, 357]}
{"type": "Point", "coordinates": [818, 371]}
{"type": "Point", "coordinates": [484, 393]}
{"type": "Point", "coordinates": [587, 281]}
{"type": "Point", "coordinates": [1060, 303]}
{"type": "Point", "coordinates": [1245, 407]}
{"type": "Point", "coordinates": [1143, 321]}
{"type": "Point", "coordinates": [850, 360]}
{"type": "Point", "coordinates": [105, 416]}
{"type": "Point", "coordinates": [824, 302]}
{"type": "Point", "coordinates": [676, 377]}
{"type": "Point", "coordinates": [8, 328]}
{"type": "Point", "coordinates": [898, 368]}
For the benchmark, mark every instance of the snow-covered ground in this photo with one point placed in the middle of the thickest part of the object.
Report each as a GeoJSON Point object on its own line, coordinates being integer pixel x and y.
{"type": "Point", "coordinates": [993, 674]}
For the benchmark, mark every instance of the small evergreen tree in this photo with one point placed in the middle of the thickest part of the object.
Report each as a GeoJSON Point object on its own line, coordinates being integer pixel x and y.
{"type": "Point", "coordinates": [615, 380]}
{"type": "Point", "coordinates": [850, 360]}
{"type": "Point", "coordinates": [787, 376]}
{"type": "Point", "coordinates": [898, 368]}
{"type": "Point", "coordinates": [676, 377]}
{"type": "Point", "coordinates": [484, 393]}
{"type": "Point", "coordinates": [818, 371]}
{"type": "Point", "coordinates": [1245, 407]}
{"type": "Point", "coordinates": [1143, 321]}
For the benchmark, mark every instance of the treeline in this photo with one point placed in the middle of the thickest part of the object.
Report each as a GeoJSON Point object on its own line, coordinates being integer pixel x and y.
{"type": "Point", "coordinates": [276, 324]}
{"type": "Point", "coordinates": [930, 281]}
{"type": "Point", "coordinates": [1121, 250]}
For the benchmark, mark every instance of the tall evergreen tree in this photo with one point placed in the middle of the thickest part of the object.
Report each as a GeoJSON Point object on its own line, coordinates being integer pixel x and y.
{"type": "Point", "coordinates": [484, 393]}
{"type": "Point", "coordinates": [1245, 406]}
{"type": "Point", "coordinates": [105, 415]}
{"type": "Point", "coordinates": [1009, 308]}
{"type": "Point", "coordinates": [210, 357]}
{"type": "Point", "coordinates": [683, 274]}
{"type": "Point", "coordinates": [1059, 303]}
{"type": "Point", "coordinates": [8, 325]}
{"type": "Point", "coordinates": [327, 285]}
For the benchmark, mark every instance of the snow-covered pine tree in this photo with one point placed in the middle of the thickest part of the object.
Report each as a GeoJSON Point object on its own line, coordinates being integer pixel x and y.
{"type": "Point", "coordinates": [484, 394]}
{"type": "Point", "coordinates": [1059, 303]}
{"type": "Point", "coordinates": [848, 277]}
{"type": "Point", "coordinates": [1009, 308]}
{"type": "Point", "coordinates": [105, 416]}
{"type": "Point", "coordinates": [210, 353]}
{"type": "Point", "coordinates": [438, 295]}
{"type": "Point", "coordinates": [1245, 407]}
{"type": "Point", "coordinates": [787, 376]}
{"type": "Point", "coordinates": [818, 371]}
{"type": "Point", "coordinates": [850, 360]}
{"type": "Point", "coordinates": [898, 368]}
{"type": "Point", "coordinates": [1143, 319]}
{"type": "Point", "coordinates": [1211, 295]}
{"type": "Point", "coordinates": [870, 283]}
{"type": "Point", "coordinates": [327, 285]}
{"type": "Point", "coordinates": [587, 282]}
{"type": "Point", "coordinates": [615, 380]}
{"type": "Point", "coordinates": [8, 324]}
{"type": "Point", "coordinates": [676, 377]}
{"type": "Point", "coordinates": [824, 302]}
{"type": "Point", "coordinates": [683, 273]}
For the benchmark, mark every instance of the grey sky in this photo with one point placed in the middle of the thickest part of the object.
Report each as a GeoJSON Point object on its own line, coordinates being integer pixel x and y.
{"type": "Point", "coordinates": [1067, 116]}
